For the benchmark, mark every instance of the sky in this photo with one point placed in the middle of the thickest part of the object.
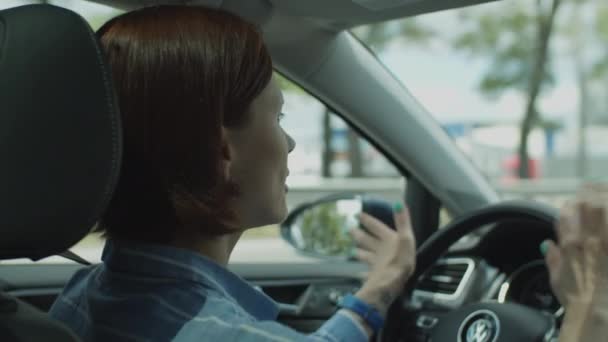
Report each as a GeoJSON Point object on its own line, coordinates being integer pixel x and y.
{"type": "Point", "coordinates": [445, 81]}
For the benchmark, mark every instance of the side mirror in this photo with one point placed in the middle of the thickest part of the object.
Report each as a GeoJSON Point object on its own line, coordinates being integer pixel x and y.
{"type": "Point", "coordinates": [321, 228]}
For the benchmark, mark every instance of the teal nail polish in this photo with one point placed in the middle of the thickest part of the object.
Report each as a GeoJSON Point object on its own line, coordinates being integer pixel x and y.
{"type": "Point", "coordinates": [544, 247]}
{"type": "Point", "coordinates": [398, 207]}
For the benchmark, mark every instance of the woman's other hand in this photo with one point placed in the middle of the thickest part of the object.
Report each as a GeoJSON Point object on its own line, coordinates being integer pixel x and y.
{"type": "Point", "coordinates": [390, 254]}
{"type": "Point", "coordinates": [578, 267]}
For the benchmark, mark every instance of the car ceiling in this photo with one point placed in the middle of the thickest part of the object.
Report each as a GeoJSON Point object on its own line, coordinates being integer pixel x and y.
{"type": "Point", "coordinates": [336, 14]}
{"type": "Point", "coordinates": [294, 28]}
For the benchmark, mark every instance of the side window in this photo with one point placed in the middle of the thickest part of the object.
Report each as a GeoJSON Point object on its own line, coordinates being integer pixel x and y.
{"type": "Point", "coordinates": [329, 158]}
{"type": "Point", "coordinates": [327, 148]}
{"type": "Point", "coordinates": [95, 14]}
{"type": "Point", "coordinates": [14, 3]}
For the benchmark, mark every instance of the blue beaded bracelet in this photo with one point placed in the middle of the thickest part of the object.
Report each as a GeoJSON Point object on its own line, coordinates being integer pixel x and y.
{"type": "Point", "coordinates": [370, 315]}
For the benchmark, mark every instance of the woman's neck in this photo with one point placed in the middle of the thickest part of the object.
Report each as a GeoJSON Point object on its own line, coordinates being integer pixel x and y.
{"type": "Point", "coordinates": [216, 248]}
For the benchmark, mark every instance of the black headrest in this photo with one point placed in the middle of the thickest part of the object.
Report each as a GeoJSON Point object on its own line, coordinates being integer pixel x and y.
{"type": "Point", "coordinates": [60, 139]}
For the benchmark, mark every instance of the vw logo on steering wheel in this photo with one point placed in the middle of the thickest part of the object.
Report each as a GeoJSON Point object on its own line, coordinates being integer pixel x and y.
{"type": "Point", "coordinates": [480, 326]}
{"type": "Point", "coordinates": [479, 331]}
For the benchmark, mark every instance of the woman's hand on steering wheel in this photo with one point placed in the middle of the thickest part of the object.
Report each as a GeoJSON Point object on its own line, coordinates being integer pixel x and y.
{"type": "Point", "coordinates": [578, 267]}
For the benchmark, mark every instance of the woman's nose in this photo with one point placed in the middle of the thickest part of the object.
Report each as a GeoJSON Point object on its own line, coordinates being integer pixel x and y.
{"type": "Point", "coordinates": [291, 144]}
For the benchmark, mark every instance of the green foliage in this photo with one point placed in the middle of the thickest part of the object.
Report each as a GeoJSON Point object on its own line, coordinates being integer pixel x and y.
{"type": "Point", "coordinates": [547, 124]}
{"type": "Point", "coordinates": [287, 85]}
{"type": "Point", "coordinates": [412, 31]}
{"type": "Point", "coordinates": [324, 231]}
{"type": "Point", "coordinates": [601, 21]}
{"type": "Point", "coordinates": [507, 38]}
{"type": "Point", "coordinates": [97, 21]}
{"type": "Point", "coordinates": [375, 36]}
{"type": "Point", "coordinates": [600, 68]}
{"type": "Point", "coordinates": [409, 30]}
{"type": "Point", "coordinates": [514, 39]}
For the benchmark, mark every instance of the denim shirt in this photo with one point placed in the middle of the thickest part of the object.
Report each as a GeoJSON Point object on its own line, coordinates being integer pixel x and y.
{"type": "Point", "coordinates": [146, 292]}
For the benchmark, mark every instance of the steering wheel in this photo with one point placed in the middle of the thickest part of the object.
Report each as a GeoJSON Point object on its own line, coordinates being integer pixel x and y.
{"type": "Point", "coordinates": [481, 321]}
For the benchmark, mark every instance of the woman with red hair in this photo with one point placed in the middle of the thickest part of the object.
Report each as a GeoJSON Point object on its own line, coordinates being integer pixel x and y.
{"type": "Point", "coordinates": [205, 158]}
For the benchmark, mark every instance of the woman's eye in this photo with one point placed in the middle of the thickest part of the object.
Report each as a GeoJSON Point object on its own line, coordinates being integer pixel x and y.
{"type": "Point", "coordinates": [280, 117]}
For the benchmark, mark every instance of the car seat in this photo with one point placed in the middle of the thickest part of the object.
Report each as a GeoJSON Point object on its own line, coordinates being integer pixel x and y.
{"type": "Point", "coordinates": [60, 147]}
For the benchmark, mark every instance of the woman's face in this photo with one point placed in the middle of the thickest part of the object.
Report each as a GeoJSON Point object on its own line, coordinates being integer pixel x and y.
{"type": "Point", "coordinates": [257, 161]}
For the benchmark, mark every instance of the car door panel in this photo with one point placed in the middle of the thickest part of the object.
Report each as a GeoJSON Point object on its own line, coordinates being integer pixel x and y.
{"type": "Point", "coordinates": [307, 293]}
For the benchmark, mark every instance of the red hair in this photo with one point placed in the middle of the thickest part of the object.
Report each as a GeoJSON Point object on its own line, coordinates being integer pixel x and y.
{"type": "Point", "coordinates": [181, 74]}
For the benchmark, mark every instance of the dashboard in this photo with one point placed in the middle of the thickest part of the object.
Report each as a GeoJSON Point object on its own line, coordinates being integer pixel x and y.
{"type": "Point", "coordinates": [503, 264]}
{"type": "Point", "coordinates": [529, 285]}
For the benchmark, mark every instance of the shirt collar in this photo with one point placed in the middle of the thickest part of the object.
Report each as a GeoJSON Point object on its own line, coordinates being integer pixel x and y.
{"type": "Point", "coordinates": [170, 262]}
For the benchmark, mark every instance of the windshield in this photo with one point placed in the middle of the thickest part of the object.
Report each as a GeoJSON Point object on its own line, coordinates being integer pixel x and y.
{"type": "Point", "coordinates": [483, 73]}
{"type": "Point", "coordinates": [511, 81]}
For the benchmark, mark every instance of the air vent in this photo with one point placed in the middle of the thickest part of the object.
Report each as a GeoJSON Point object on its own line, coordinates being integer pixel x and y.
{"type": "Point", "coordinates": [446, 277]}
